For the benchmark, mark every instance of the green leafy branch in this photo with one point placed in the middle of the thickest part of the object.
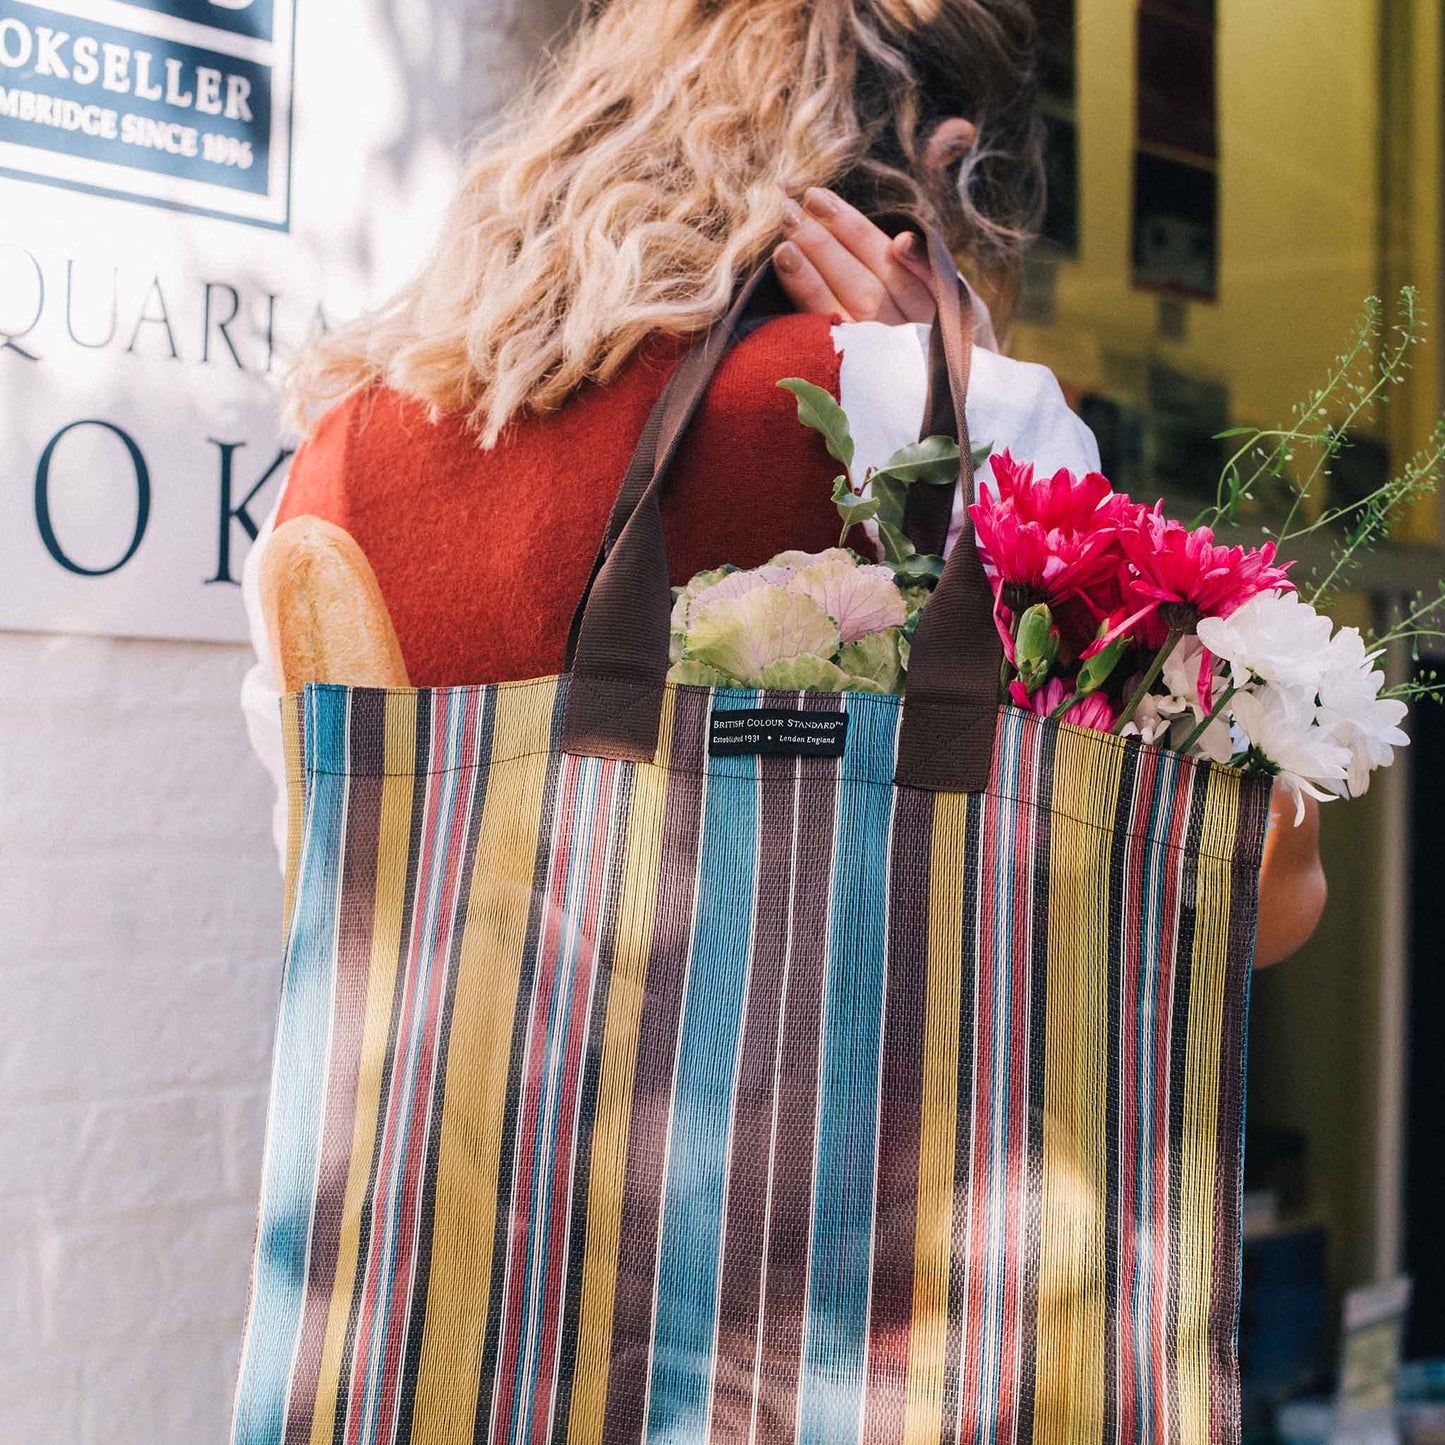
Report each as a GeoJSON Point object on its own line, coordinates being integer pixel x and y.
{"type": "Point", "coordinates": [880, 495]}
{"type": "Point", "coordinates": [1371, 519]}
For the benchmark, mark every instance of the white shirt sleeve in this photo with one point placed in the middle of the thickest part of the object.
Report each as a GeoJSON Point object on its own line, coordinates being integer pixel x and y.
{"type": "Point", "coordinates": [1012, 405]}
{"type": "Point", "coordinates": [260, 688]}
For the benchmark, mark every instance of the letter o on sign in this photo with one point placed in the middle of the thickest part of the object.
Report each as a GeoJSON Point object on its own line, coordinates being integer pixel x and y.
{"type": "Point", "coordinates": [43, 518]}
{"type": "Point", "coordinates": [15, 44]}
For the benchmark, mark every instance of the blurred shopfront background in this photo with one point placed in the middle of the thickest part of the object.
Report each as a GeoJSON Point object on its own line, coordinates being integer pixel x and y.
{"type": "Point", "coordinates": [1230, 180]}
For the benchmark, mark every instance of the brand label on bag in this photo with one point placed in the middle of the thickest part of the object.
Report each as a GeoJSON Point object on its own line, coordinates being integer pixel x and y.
{"type": "Point", "coordinates": [778, 732]}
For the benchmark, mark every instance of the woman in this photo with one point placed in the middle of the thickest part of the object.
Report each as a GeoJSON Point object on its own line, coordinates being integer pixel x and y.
{"type": "Point", "coordinates": [485, 416]}
{"type": "Point", "coordinates": [706, 1272]}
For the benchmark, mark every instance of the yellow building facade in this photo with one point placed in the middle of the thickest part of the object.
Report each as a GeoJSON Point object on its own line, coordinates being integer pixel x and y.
{"type": "Point", "coordinates": [1328, 169]}
{"type": "Point", "coordinates": [1326, 163]}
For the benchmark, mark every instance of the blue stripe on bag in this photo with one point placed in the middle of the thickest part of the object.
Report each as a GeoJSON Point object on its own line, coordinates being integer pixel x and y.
{"type": "Point", "coordinates": [559, 1014]}
{"type": "Point", "coordinates": [449, 782]}
{"type": "Point", "coordinates": [298, 1090]}
{"type": "Point", "coordinates": [1157, 863]}
{"type": "Point", "coordinates": [690, 1250]}
{"type": "Point", "coordinates": [830, 1392]}
{"type": "Point", "coordinates": [1010, 749]}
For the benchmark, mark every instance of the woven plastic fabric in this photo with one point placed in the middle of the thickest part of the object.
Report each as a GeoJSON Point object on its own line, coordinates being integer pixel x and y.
{"type": "Point", "coordinates": [749, 1098]}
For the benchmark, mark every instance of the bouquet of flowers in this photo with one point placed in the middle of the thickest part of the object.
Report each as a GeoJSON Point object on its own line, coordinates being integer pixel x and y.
{"type": "Point", "coordinates": [1113, 615]}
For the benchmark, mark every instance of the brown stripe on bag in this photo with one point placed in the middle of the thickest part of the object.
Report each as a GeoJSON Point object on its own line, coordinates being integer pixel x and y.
{"type": "Point", "coordinates": [476, 783]}
{"type": "Point", "coordinates": [526, 985]}
{"type": "Point", "coordinates": [355, 911]}
{"type": "Point", "coordinates": [1121, 866]}
{"type": "Point", "coordinates": [1254, 803]}
{"type": "Point", "coordinates": [587, 1113]}
{"type": "Point", "coordinates": [1178, 1067]}
{"type": "Point", "coordinates": [790, 1182]}
{"type": "Point", "coordinates": [421, 768]}
{"type": "Point", "coordinates": [895, 1216]}
{"type": "Point", "coordinates": [754, 1101]}
{"type": "Point", "coordinates": [963, 1137]}
{"type": "Point", "coordinates": [1032, 1211]}
{"type": "Point", "coordinates": [652, 1089]}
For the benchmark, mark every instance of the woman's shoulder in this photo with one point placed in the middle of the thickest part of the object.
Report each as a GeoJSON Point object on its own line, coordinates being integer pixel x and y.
{"type": "Point", "coordinates": [746, 414]}
{"type": "Point", "coordinates": [363, 437]}
{"type": "Point", "coordinates": [375, 414]}
{"type": "Point", "coordinates": [796, 344]}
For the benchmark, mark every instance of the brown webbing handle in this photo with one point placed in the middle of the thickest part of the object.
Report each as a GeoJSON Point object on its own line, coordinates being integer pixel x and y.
{"type": "Point", "coordinates": [929, 510]}
{"type": "Point", "coordinates": [620, 660]}
{"type": "Point", "coordinates": [950, 712]}
{"type": "Point", "coordinates": [671, 414]}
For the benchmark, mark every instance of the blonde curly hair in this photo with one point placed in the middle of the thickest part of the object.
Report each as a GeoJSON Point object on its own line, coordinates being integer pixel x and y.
{"type": "Point", "coordinates": [645, 174]}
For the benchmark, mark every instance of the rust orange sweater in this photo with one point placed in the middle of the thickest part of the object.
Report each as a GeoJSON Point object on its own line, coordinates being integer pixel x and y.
{"type": "Point", "coordinates": [482, 555]}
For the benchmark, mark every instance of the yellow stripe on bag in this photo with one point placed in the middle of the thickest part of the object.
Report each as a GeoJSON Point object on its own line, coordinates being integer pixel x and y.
{"type": "Point", "coordinates": [614, 1093]}
{"type": "Point", "coordinates": [389, 910]}
{"type": "Point", "coordinates": [933, 1246]}
{"type": "Point", "coordinates": [478, 1062]}
{"type": "Point", "coordinates": [1069, 1403]}
{"type": "Point", "coordinates": [1200, 1144]}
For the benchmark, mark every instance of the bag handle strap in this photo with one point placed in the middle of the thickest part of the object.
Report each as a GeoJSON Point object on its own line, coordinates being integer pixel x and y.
{"type": "Point", "coordinates": [674, 409]}
{"type": "Point", "coordinates": [620, 661]}
{"type": "Point", "coordinates": [929, 510]}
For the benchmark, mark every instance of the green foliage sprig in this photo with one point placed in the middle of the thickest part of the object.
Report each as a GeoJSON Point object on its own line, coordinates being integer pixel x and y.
{"type": "Point", "coordinates": [1296, 460]}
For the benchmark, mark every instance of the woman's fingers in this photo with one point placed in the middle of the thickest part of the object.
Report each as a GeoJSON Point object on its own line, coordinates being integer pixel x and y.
{"type": "Point", "coordinates": [872, 273]}
{"type": "Point", "coordinates": [806, 289]}
{"type": "Point", "coordinates": [862, 293]}
{"type": "Point", "coordinates": [909, 253]}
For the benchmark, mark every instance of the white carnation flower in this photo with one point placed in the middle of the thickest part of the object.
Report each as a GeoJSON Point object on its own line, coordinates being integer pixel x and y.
{"type": "Point", "coordinates": [1150, 722]}
{"type": "Point", "coordinates": [1275, 637]}
{"type": "Point", "coordinates": [1181, 674]}
{"type": "Point", "coordinates": [1176, 714]}
{"type": "Point", "coordinates": [1281, 725]}
{"type": "Point", "coordinates": [1216, 742]}
{"type": "Point", "coordinates": [1353, 711]}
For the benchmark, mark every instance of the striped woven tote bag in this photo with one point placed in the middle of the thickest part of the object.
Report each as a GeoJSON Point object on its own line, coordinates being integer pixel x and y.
{"type": "Point", "coordinates": [634, 1084]}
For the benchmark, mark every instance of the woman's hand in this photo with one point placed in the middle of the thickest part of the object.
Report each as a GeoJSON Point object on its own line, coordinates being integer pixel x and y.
{"type": "Point", "coordinates": [835, 261]}
{"type": "Point", "coordinates": [1292, 886]}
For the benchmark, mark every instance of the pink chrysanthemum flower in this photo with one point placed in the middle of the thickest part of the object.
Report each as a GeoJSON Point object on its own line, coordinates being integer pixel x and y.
{"type": "Point", "coordinates": [1186, 575]}
{"type": "Point", "coordinates": [1095, 711]}
{"type": "Point", "coordinates": [1029, 563]}
{"type": "Point", "coordinates": [1049, 539]}
{"type": "Point", "coordinates": [1041, 703]}
{"type": "Point", "coordinates": [1062, 502]}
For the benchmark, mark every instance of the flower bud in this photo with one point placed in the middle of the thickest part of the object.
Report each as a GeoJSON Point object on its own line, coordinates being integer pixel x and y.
{"type": "Point", "coordinates": [1036, 645]}
{"type": "Point", "coordinates": [1099, 668]}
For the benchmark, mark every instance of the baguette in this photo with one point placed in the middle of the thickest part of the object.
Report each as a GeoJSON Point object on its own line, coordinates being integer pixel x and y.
{"type": "Point", "coordinates": [324, 612]}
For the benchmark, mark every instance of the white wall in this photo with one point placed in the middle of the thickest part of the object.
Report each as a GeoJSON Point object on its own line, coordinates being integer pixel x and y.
{"type": "Point", "coordinates": [138, 973]}
{"type": "Point", "coordinates": [139, 958]}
